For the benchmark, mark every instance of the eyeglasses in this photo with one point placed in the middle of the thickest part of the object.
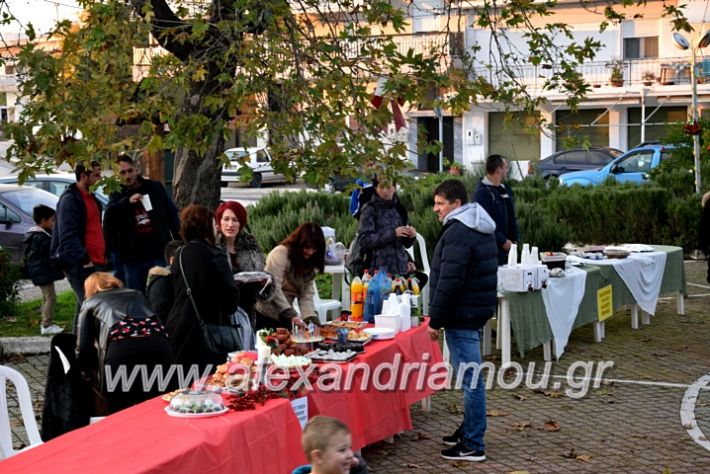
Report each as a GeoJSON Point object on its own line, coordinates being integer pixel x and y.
{"type": "Point", "coordinates": [126, 171]}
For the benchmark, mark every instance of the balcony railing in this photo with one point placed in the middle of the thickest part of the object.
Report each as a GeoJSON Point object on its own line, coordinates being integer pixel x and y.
{"type": "Point", "coordinates": [8, 82]}
{"type": "Point", "coordinates": [655, 71]}
{"type": "Point", "coordinates": [427, 44]}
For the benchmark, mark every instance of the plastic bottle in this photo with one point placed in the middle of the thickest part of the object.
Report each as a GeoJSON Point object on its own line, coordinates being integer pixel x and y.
{"type": "Point", "coordinates": [414, 286]}
{"type": "Point", "coordinates": [356, 299]}
{"type": "Point", "coordinates": [405, 313]}
{"type": "Point", "coordinates": [413, 303]}
{"type": "Point", "coordinates": [398, 285]}
{"type": "Point", "coordinates": [366, 279]}
{"type": "Point", "coordinates": [370, 300]}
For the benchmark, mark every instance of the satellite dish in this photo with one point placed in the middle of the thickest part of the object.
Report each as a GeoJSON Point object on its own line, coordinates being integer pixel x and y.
{"type": "Point", "coordinates": [705, 40]}
{"type": "Point", "coordinates": [680, 41]}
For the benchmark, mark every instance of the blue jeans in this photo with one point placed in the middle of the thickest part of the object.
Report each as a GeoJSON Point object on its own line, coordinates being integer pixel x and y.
{"type": "Point", "coordinates": [76, 276]}
{"type": "Point", "coordinates": [465, 348]}
{"type": "Point", "coordinates": [137, 273]}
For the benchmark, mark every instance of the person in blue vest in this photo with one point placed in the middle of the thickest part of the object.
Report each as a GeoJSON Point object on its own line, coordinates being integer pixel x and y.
{"type": "Point", "coordinates": [496, 198]}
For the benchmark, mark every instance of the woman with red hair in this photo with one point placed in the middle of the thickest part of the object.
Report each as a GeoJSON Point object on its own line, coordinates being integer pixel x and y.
{"type": "Point", "coordinates": [293, 264]}
{"type": "Point", "coordinates": [243, 252]}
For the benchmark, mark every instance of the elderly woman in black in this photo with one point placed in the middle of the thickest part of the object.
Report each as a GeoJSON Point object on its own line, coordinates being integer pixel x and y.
{"type": "Point", "coordinates": [204, 268]}
{"type": "Point", "coordinates": [117, 331]}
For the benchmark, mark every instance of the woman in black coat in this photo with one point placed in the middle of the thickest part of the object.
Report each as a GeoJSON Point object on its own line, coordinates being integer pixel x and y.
{"type": "Point", "coordinates": [119, 332]}
{"type": "Point", "coordinates": [384, 232]}
{"type": "Point", "coordinates": [204, 267]}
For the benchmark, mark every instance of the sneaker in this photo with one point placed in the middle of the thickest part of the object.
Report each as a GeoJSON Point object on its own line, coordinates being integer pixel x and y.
{"type": "Point", "coordinates": [453, 439]}
{"type": "Point", "coordinates": [461, 452]}
{"type": "Point", "coordinates": [51, 330]}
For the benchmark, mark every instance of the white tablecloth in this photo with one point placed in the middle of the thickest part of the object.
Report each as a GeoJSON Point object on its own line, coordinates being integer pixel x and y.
{"type": "Point", "coordinates": [642, 273]}
{"type": "Point", "coordinates": [562, 298]}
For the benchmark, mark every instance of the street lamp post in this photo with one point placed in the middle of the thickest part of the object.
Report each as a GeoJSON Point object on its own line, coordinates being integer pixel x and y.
{"type": "Point", "coordinates": [439, 112]}
{"type": "Point", "coordinates": [682, 43]}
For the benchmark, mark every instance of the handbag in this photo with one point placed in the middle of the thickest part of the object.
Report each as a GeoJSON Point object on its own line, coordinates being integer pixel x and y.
{"type": "Point", "coordinates": [357, 259]}
{"type": "Point", "coordinates": [240, 319]}
{"type": "Point", "coordinates": [218, 339]}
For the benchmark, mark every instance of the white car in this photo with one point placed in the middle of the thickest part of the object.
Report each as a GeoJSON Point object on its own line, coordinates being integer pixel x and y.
{"type": "Point", "coordinates": [259, 162]}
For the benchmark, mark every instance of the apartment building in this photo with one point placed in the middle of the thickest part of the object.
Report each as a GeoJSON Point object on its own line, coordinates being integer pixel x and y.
{"type": "Point", "coordinates": [654, 90]}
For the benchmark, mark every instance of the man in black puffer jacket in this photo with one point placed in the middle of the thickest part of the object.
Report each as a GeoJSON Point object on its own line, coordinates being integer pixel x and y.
{"type": "Point", "coordinates": [463, 297]}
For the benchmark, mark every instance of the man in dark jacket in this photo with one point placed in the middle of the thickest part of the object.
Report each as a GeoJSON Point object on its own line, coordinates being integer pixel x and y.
{"type": "Point", "coordinates": [496, 198]}
{"type": "Point", "coordinates": [140, 220]}
{"type": "Point", "coordinates": [78, 244]}
{"type": "Point", "coordinates": [463, 297]}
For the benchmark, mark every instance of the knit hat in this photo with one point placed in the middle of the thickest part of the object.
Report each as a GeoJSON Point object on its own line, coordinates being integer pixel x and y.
{"type": "Point", "coordinates": [236, 208]}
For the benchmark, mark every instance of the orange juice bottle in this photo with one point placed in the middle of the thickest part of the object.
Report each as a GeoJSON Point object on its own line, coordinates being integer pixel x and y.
{"type": "Point", "coordinates": [356, 299]}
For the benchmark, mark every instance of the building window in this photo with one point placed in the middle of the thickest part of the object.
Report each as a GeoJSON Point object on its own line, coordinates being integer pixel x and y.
{"type": "Point", "coordinates": [639, 48]}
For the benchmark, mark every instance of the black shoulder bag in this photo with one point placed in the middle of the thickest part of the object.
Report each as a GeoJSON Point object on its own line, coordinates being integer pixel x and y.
{"type": "Point", "coordinates": [218, 339]}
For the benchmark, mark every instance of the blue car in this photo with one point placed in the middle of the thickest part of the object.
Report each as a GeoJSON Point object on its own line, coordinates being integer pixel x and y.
{"type": "Point", "coordinates": [631, 167]}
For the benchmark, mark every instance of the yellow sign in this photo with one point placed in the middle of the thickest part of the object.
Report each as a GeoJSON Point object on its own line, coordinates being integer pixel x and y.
{"type": "Point", "coordinates": [605, 306]}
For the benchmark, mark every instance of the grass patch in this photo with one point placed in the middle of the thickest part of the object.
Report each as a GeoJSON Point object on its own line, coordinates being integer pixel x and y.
{"type": "Point", "coordinates": [28, 318]}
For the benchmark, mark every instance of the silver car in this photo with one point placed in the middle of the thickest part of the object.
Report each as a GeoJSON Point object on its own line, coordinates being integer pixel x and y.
{"type": "Point", "coordinates": [16, 205]}
{"type": "Point", "coordinates": [54, 183]}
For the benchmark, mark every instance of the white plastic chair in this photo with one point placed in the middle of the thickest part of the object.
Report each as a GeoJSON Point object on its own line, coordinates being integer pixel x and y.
{"type": "Point", "coordinates": [322, 306]}
{"type": "Point", "coordinates": [28, 416]}
{"type": "Point", "coordinates": [425, 263]}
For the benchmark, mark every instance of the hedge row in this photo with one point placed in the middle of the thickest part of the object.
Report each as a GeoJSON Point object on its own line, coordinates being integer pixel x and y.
{"type": "Point", "coordinates": [548, 216]}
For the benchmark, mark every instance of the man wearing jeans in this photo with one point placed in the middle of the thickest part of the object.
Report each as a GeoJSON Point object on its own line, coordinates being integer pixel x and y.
{"type": "Point", "coordinates": [140, 220]}
{"type": "Point", "coordinates": [77, 241]}
{"type": "Point", "coordinates": [463, 297]}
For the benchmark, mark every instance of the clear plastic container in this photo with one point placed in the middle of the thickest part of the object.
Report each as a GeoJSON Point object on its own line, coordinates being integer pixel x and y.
{"type": "Point", "coordinates": [197, 402]}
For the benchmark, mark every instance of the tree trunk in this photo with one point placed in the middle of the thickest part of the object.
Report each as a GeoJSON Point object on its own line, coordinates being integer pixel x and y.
{"type": "Point", "coordinates": [196, 180]}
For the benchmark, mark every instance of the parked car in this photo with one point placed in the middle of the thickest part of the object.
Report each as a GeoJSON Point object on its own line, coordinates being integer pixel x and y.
{"type": "Point", "coordinates": [259, 161]}
{"type": "Point", "coordinates": [631, 167]}
{"type": "Point", "coordinates": [54, 183]}
{"type": "Point", "coordinates": [575, 159]}
{"type": "Point", "coordinates": [16, 205]}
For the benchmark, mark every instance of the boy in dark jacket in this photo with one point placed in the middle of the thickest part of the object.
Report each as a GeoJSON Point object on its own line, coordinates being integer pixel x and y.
{"type": "Point", "coordinates": [39, 267]}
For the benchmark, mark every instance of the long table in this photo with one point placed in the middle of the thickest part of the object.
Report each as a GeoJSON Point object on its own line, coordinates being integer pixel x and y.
{"type": "Point", "coordinates": [375, 414]}
{"type": "Point", "coordinates": [266, 440]}
{"type": "Point", "coordinates": [526, 316]}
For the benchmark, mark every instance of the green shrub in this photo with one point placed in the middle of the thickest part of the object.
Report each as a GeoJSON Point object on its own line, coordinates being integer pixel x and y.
{"type": "Point", "coordinates": [683, 222]}
{"type": "Point", "coordinates": [9, 284]}
{"type": "Point", "coordinates": [541, 229]}
{"type": "Point", "coordinates": [278, 214]}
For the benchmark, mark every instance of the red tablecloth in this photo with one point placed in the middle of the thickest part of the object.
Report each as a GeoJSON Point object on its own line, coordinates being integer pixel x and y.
{"type": "Point", "coordinates": [144, 439]}
{"type": "Point", "coordinates": [374, 414]}
{"type": "Point", "coordinates": [266, 440]}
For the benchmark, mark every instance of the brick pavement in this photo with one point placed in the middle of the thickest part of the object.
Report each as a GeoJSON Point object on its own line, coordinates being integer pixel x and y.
{"type": "Point", "coordinates": [621, 426]}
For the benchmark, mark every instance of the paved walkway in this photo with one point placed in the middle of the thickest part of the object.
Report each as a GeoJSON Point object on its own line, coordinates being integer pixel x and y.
{"type": "Point", "coordinates": [629, 423]}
